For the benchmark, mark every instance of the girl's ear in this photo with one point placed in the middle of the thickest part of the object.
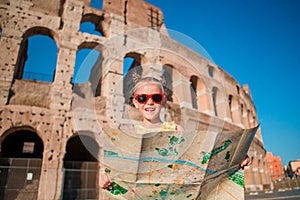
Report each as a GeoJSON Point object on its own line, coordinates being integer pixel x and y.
{"type": "Point", "coordinates": [135, 103]}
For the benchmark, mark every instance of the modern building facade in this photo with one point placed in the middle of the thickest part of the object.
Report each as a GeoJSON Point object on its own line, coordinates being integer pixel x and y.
{"type": "Point", "coordinates": [275, 167]}
{"type": "Point", "coordinates": [47, 120]}
{"type": "Point", "coordinates": [293, 169]}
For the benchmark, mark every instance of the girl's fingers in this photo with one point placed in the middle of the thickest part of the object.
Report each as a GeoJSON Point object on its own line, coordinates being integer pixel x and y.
{"type": "Point", "coordinates": [104, 180]}
{"type": "Point", "coordinates": [246, 162]}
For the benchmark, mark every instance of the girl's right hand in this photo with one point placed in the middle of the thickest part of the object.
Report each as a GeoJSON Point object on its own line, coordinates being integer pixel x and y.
{"type": "Point", "coordinates": [104, 181]}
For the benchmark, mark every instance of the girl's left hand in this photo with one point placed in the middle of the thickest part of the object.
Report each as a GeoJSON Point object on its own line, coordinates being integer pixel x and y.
{"type": "Point", "coordinates": [246, 162]}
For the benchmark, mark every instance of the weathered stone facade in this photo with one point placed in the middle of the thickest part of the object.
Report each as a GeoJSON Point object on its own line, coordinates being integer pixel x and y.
{"type": "Point", "coordinates": [55, 112]}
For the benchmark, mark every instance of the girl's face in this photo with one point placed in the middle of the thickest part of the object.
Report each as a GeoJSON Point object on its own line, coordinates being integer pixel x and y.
{"type": "Point", "coordinates": [149, 109]}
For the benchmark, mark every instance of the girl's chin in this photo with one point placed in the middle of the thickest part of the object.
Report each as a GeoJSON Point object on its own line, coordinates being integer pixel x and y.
{"type": "Point", "coordinates": [150, 117]}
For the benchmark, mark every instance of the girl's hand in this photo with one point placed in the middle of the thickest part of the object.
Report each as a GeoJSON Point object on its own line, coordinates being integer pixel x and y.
{"type": "Point", "coordinates": [104, 181]}
{"type": "Point", "coordinates": [246, 162]}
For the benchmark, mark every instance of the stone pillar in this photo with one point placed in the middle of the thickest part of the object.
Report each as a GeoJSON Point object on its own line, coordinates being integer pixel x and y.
{"type": "Point", "coordinates": [61, 91]}
{"type": "Point", "coordinates": [51, 180]}
{"type": "Point", "coordinates": [10, 44]}
{"type": "Point", "coordinates": [236, 114]}
{"type": "Point", "coordinates": [204, 101]}
{"type": "Point", "coordinates": [112, 88]}
{"type": "Point", "coordinates": [182, 91]}
{"type": "Point", "coordinates": [222, 107]}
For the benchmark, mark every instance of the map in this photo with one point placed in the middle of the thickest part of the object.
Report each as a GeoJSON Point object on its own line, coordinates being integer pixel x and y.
{"type": "Point", "coordinates": [175, 164]}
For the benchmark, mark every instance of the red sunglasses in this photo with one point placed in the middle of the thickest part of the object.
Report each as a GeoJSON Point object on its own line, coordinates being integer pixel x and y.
{"type": "Point", "coordinates": [143, 98]}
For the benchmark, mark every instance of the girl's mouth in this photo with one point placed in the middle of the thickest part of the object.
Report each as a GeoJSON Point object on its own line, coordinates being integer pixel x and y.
{"type": "Point", "coordinates": [149, 109]}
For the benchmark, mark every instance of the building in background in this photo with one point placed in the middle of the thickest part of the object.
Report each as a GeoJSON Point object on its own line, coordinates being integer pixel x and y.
{"type": "Point", "coordinates": [292, 170]}
{"type": "Point", "coordinates": [47, 115]}
{"type": "Point", "coordinates": [275, 167]}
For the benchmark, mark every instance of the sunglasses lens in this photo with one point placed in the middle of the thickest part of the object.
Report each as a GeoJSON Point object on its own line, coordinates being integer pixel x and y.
{"type": "Point", "coordinates": [157, 98]}
{"type": "Point", "coordinates": [142, 98]}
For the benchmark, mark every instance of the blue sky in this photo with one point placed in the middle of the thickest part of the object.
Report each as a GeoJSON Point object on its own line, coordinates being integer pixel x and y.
{"type": "Point", "coordinates": [258, 43]}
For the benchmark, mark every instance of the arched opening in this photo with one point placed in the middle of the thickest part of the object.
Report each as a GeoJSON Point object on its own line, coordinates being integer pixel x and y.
{"type": "Point", "coordinates": [80, 168]}
{"type": "Point", "coordinates": [93, 24]}
{"type": "Point", "coordinates": [242, 112]}
{"type": "Point", "coordinates": [39, 62]}
{"type": "Point", "coordinates": [22, 144]}
{"type": "Point", "coordinates": [20, 165]}
{"type": "Point", "coordinates": [234, 109]}
{"type": "Point", "coordinates": [86, 59]}
{"type": "Point", "coordinates": [0, 32]}
{"type": "Point", "coordinates": [214, 99]}
{"type": "Point", "coordinates": [132, 70]}
{"type": "Point", "coordinates": [97, 4]}
{"type": "Point", "coordinates": [89, 27]}
{"type": "Point", "coordinates": [230, 98]}
{"type": "Point", "coordinates": [193, 87]}
{"type": "Point", "coordinates": [167, 77]}
{"type": "Point", "coordinates": [247, 118]}
{"type": "Point", "coordinates": [211, 70]}
{"type": "Point", "coordinates": [238, 89]}
{"type": "Point", "coordinates": [88, 68]}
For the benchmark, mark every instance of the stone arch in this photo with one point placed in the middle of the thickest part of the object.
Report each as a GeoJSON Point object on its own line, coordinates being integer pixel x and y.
{"type": "Point", "coordinates": [20, 161]}
{"type": "Point", "coordinates": [193, 87]}
{"type": "Point", "coordinates": [215, 96]}
{"type": "Point", "coordinates": [88, 66]}
{"type": "Point", "coordinates": [247, 119]}
{"type": "Point", "coordinates": [244, 115]}
{"type": "Point", "coordinates": [132, 66]}
{"type": "Point", "coordinates": [17, 137]}
{"type": "Point", "coordinates": [252, 119]}
{"type": "Point", "coordinates": [167, 76]}
{"type": "Point", "coordinates": [211, 71]}
{"type": "Point", "coordinates": [82, 147]}
{"type": "Point", "coordinates": [36, 35]}
{"type": "Point", "coordinates": [80, 168]}
{"type": "Point", "coordinates": [88, 57]}
{"type": "Point", "coordinates": [219, 102]}
{"type": "Point", "coordinates": [93, 24]}
{"type": "Point", "coordinates": [203, 96]}
{"type": "Point", "coordinates": [238, 89]}
{"type": "Point", "coordinates": [234, 109]}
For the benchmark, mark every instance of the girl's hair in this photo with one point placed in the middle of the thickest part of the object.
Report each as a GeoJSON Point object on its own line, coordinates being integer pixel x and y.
{"type": "Point", "coordinates": [147, 80]}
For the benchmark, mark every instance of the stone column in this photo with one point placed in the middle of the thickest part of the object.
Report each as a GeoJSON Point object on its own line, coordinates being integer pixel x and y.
{"type": "Point", "coordinates": [112, 89]}
{"type": "Point", "coordinates": [10, 45]}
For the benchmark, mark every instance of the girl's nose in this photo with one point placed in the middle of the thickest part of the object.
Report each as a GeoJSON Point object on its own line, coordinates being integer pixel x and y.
{"type": "Point", "coordinates": [150, 101]}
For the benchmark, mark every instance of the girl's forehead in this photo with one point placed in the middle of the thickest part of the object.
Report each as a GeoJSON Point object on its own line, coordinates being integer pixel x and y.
{"type": "Point", "coordinates": [149, 87]}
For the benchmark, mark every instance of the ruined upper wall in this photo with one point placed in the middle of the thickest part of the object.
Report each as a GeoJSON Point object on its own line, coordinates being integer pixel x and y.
{"type": "Point", "coordinates": [140, 13]}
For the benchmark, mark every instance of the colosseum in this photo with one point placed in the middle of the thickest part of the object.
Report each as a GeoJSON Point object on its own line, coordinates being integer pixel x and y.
{"type": "Point", "coordinates": [45, 114]}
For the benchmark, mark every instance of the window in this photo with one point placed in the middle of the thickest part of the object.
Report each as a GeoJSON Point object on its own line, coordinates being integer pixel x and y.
{"type": "Point", "coordinates": [89, 27]}
{"type": "Point", "coordinates": [193, 87]}
{"type": "Point", "coordinates": [28, 147]}
{"type": "Point", "coordinates": [167, 79]}
{"type": "Point", "coordinates": [96, 4]}
{"type": "Point", "coordinates": [214, 99]}
{"type": "Point", "coordinates": [132, 69]}
{"type": "Point", "coordinates": [41, 62]}
{"type": "Point", "coordinates": [127, 64]}
{"type": "Point", "coordinates": [230, 105]}
{"type": "Point", "coordinates": [85, 60]}
{"type": "Point", "coordinates": [211, 71]}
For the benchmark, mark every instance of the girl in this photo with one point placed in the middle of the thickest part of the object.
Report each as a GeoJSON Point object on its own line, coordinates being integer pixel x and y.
{"type": "Point", "coordinates": [149, 98]}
